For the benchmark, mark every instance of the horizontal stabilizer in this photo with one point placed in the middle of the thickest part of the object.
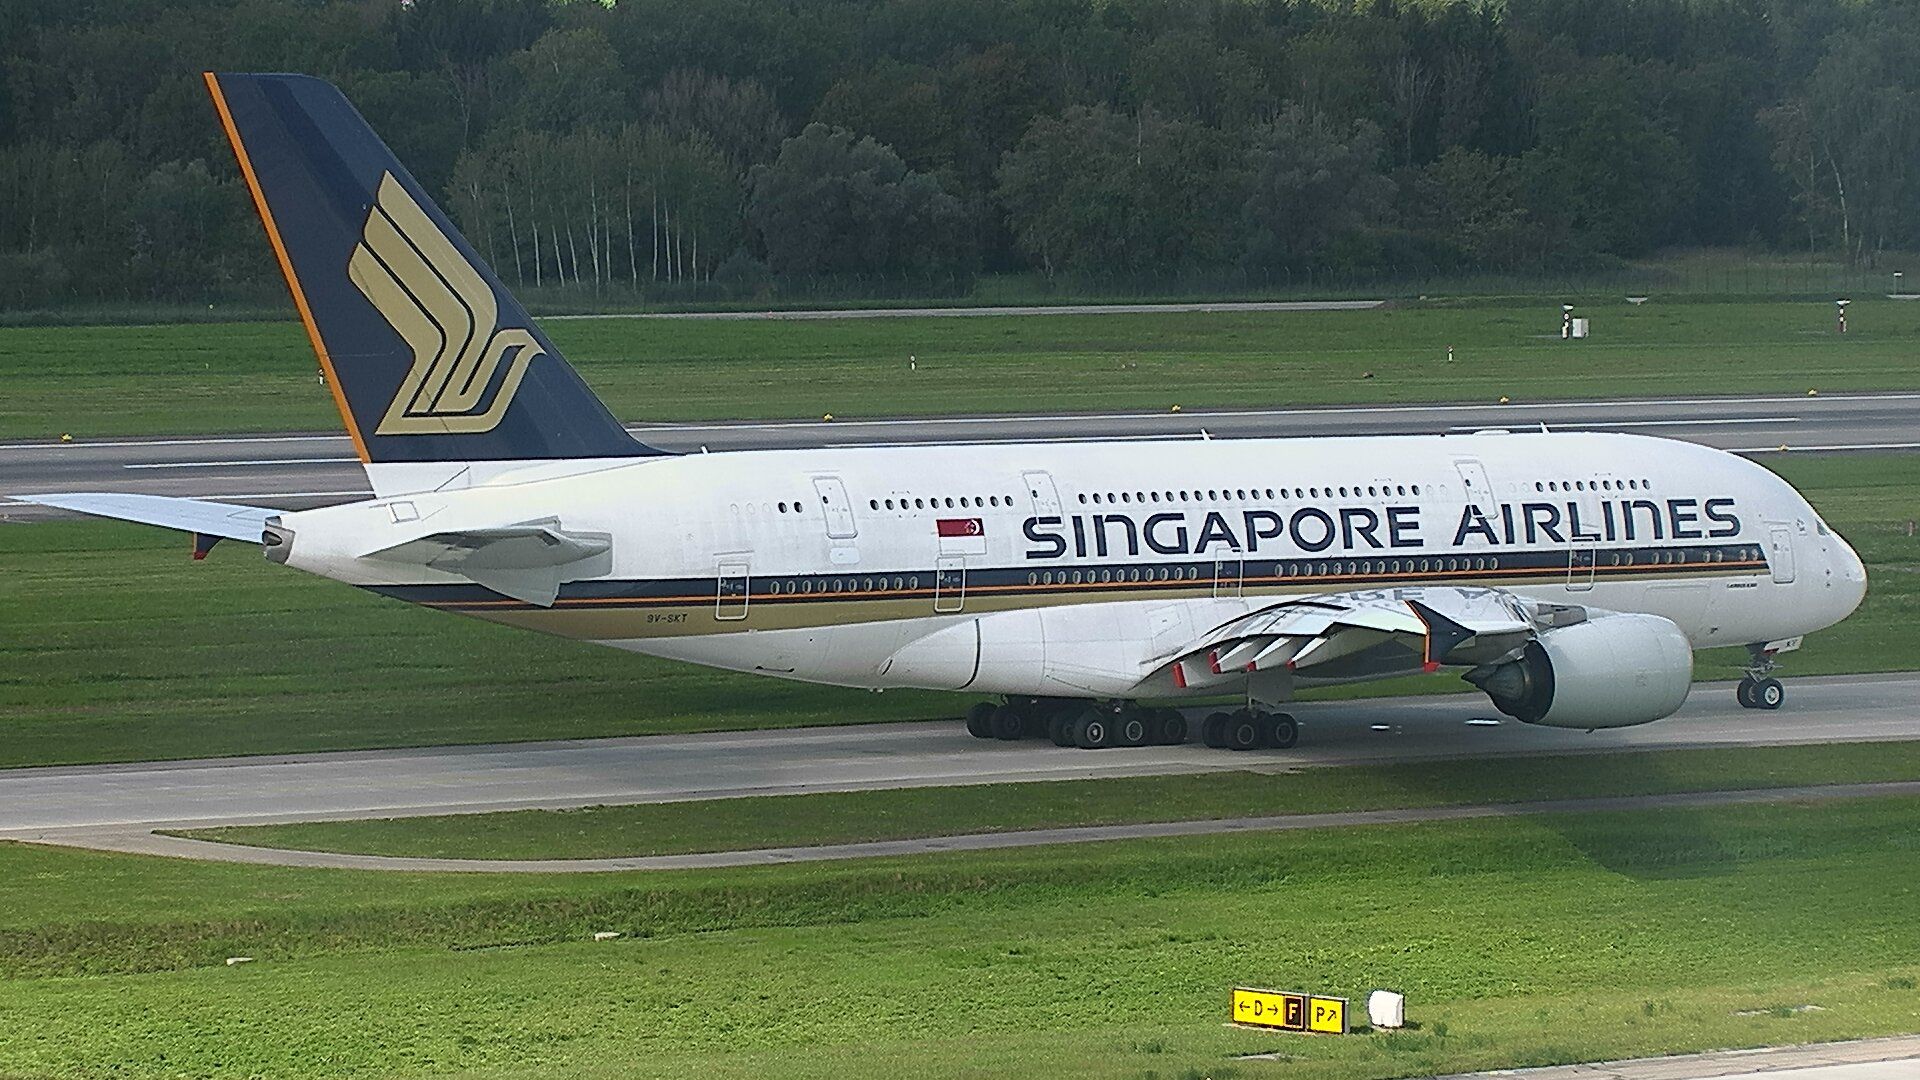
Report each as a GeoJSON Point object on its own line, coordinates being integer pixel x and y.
{"type": "Point", "coordinates": [229, 521]}
{"type": "Point", "coordinates": [528, 562]}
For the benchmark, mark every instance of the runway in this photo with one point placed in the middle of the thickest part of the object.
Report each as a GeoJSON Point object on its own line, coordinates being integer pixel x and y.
{"type": "Point", "coordinates": [38, 802]}
{"type": "Point", "coordinates": [295, 471]}
{"type": "Point", "coordinates": [139, 842]}
{"type": "Point", "coordinates": [1893, 1058]}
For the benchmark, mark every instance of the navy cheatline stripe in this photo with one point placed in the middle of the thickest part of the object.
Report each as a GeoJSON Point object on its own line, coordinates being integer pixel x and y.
{"type": "Point", "coordinates": [1609, 564]}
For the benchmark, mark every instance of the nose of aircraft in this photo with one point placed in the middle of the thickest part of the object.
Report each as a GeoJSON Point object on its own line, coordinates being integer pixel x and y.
{"type": "Point", "coordinates": [1849, 579]}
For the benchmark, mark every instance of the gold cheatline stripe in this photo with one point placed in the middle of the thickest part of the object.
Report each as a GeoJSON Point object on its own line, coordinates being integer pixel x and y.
{"type": "Point", "coordinates": [286, 264]}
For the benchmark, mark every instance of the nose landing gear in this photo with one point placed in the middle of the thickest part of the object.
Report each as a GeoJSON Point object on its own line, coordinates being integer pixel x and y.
{"type": "Point", "coordinates": [1758, 688]}
{"type": "Point", "coordinates": [1755, 693]}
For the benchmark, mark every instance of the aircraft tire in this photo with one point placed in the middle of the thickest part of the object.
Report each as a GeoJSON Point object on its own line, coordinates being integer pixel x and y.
{"type": "Point", "coordinates": [1093, 730]}
{"type": "Point", "coordinates": [1009, 723]}
{"type": "Point", "coordinates": [1133, 727]}
{"type": "Point", "coordinates": [1213, 730]}
{"type": "Point", "coordinates": [1768, 694]}
{"type": "Point", "coordinates": [1246, 731]}
{"type": "Point", "coordinates": [1169, 727]}
{"type": "Point", "coordinates": [1743, 693]}
{"type": "Point", "coordinates": [980, 720]}
{"type": "Point", "coordinates": [1285, 732]}
{"type": "Point", "coordinates": [1060, 729]}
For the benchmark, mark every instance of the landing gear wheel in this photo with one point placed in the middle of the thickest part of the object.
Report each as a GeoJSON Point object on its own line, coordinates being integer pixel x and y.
{"type": "Point", "coordinates": [1285, 732]}
{"type": "Point", "coordinates": [1246, 731]}
{"type": "Point", "coordinates": [1743, 693]}
{"type": "Point", "coordinates": [1768, 694]}
{"type": "Point", "coordinates": [980, 720]}
{"type": "Point", "coordinates": [1093, 730]}
{"type": "Point", "coordinates": [1213, 730]}
{"type": "Point", "coordinates": [1009, 723]}
{"type": "Point", "coordinates": [1060, 730]}
{"type": "Point", "coordinates": [1169, 727]}
{"type": "Point", "coordinates": [1132, 728]}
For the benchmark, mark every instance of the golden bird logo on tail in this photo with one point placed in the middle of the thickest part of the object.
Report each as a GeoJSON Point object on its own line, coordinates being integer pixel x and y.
{"type": "Point", "coordinates": [438, 303]}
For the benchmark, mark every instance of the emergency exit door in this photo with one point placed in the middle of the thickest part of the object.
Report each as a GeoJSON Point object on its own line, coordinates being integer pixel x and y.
{"type": "Point", "coordinates": [836, 506]}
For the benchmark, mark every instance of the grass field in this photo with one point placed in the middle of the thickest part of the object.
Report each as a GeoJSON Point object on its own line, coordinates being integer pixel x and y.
{"type": "Point", "coordinates": [849, 817]}
{"type": "Point", "coordinates": [114, 647]}
{"type": "Point", "coordinates": [1518, 942]}
{"type": "Point", "coordinates": [123, 380]}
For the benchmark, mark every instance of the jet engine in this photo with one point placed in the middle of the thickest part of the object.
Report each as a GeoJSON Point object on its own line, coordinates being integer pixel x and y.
{"type": "Point", "coordinates": [1609, 671]}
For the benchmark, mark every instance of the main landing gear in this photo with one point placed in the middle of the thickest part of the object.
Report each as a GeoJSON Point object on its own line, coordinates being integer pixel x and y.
{"type": "Point", "coordinates": [1088, 725]}
{"type": "Point", "coordinates": [1250, 729]}
{"type": "Point", "coordinates": [1098, 725]}
{"type": "Point", "coordinates": [1758, 689]}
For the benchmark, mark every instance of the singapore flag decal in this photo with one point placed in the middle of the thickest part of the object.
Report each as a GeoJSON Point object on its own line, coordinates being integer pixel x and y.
{"type": "Point", "coordinates": [962, 536]}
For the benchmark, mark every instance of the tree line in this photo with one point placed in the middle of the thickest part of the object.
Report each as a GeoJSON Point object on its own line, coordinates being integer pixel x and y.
{"type": "Point", "coordinates": [682, 146]}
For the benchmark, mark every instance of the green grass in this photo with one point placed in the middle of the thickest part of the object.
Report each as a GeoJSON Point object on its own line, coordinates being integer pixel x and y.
{"type": "Point", "coordinates": [848, 817]}
{"type": "Point", "coordinates": [1519, 941]}
{"type": "Point", "coordinates": [115, 647]}
{"type": "Point", "coordinates": [121, 380]}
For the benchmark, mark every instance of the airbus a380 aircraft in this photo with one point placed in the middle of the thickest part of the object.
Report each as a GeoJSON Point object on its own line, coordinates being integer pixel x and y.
{"type": "Point", "coordinates": [1569, 576]}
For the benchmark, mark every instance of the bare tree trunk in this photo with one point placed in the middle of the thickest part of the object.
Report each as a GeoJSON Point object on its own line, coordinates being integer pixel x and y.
{"type": "Point", "coordinates": [593, 231]}
{"type": "Point", "coordinates": [633, 265]}
{"type": "Point", "coordinates": [539, 281]}
{"type": "Point", "coordinates": [573, 252]}
{"type": "Point", "coordinates": [656, 228]}
{"type": "Point", "coordinates": [513, 234]}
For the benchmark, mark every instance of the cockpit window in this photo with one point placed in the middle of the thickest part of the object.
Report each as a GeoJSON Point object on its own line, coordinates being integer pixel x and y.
{"type": "Point", "coordinates": [1820, 526]}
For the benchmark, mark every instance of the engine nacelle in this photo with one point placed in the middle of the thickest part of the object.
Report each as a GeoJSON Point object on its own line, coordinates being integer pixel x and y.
{"type": "Point", "coordinates": [1610, 671]}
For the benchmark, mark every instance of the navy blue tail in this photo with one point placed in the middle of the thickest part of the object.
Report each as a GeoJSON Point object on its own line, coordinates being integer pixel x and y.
{"type": "Point", "coordinates": [430, 358]}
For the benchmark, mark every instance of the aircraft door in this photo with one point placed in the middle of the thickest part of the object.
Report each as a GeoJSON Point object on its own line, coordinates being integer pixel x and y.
{"type": "Point", "coordinates": [1046, 497]}
{"type": "Point", "coordinates": [949, 583]}
{"type": "Point", "coordinates": [1479, 491]}
{"type": "Point", "coordinates": [1780, 553]}
{"type": "Point", "coordinates": [1581, 555]}
{"type": "Point", "coordinates": [733, 589]}
{"type": "Point", "coordinates": [1229, 573]}
{"type": "Point", "coordinates": [836, 506]}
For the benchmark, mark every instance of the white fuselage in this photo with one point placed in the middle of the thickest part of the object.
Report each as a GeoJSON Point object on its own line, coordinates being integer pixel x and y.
{"type": "Point", "coordinates": [1073, 562]}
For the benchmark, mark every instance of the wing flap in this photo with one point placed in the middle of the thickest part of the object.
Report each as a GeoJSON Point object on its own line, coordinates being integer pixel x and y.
{"type": "Point", "coordinates": [1330, 634]}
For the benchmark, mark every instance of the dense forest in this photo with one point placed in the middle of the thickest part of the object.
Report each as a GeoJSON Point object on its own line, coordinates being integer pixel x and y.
{"type": "Point", "coordinates": [713, 147]}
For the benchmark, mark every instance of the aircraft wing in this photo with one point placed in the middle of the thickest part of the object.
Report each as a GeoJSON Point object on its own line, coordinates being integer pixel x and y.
{"type": "Point", "coordinates": [1362, 634]}
{"type": "Point", "coordinates": [212, 520]}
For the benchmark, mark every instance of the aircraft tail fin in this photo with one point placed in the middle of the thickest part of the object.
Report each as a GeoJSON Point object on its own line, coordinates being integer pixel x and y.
{"type": "Point", "coordinates": [429, 357]}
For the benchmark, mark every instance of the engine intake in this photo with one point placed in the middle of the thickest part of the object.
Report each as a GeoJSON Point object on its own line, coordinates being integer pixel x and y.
{"type": "Point", "coordinates": [1610, 671]}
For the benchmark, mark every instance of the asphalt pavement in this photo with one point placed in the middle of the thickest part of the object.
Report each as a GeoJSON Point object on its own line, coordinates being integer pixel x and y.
{"type": "Point", "coordinates": [1893, 1058]}
{"type": "Point", "coordinates": [138, 797]}
{"type": "Point", "coordinates": [294, 471]}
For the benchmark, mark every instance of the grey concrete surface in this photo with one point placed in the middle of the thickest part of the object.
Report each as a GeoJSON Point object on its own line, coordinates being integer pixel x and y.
{"type": "Point", "coordinates": [666, 768]}
{"type": "Point", "coordinates": [300, 470]}
{"type": "Point", "coordinates": [1894, 1058]}
{"type": "Point", "coordinates": [144, 842]}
